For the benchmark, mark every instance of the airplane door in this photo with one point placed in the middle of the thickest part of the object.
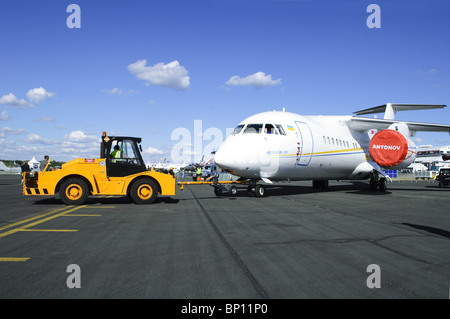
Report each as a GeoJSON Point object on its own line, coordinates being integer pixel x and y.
{"type": "Point", "coordinates": [305, 144]}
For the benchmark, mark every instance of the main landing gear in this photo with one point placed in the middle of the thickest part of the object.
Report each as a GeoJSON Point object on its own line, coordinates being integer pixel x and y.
{"type": "Point", "coordinates": [320, 184]}
{"type": "Point", "coordinates": [378, 181]}
{"type": "Point", "coordinates": [256, 190]}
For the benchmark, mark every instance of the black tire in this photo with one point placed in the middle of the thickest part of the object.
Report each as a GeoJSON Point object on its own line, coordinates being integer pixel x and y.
{"type": "Point", "coordinates": [74, 191]}
{"type": "Point", "coordinates": [324, 184]}
{"type": "Point", "coordinates": [260, 191]}
{"type": "Point", "coordinates": [233, 190]}
{"type": "Point", "coordinates": [373, 185]}
{"type": "Point", "coordinates": [251, 191]}
{"type": "Point", "coordinates": [316, 184]}
{"type": "Point", "coordinates": [217, 191]}
{"type": "Point", "coordinates": [382, 185]}
{"type": "Point", "coordinates": [144, 191]}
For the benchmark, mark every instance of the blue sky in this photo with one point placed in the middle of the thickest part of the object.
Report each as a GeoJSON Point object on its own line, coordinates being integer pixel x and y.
{"type": "Point", "coordinates": [148, 68]}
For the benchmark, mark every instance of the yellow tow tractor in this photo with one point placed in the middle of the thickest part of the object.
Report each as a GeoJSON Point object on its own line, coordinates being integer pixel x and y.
{"type": "Point", "coordinates": [124, 173]}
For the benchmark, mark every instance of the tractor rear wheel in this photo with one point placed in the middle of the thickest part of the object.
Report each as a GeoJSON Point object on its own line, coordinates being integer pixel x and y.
{"type": "Point", "coordinates": [74, 191]}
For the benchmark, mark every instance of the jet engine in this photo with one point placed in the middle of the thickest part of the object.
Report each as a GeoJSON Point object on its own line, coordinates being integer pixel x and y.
{"type": "Point", "coordinates": [392, 148]}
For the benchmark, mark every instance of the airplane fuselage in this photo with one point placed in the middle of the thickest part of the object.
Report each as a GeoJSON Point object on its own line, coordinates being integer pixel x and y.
{"type": "Point", "coordinates": [287, 146]}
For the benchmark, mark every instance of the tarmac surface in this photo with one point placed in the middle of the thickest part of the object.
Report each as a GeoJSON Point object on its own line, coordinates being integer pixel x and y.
{"type": "Point", "coordinates": [294, 243]}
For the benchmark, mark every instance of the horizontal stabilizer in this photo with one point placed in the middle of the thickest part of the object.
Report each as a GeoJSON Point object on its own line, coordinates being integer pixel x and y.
{"type": "Point", "coordinates": [389, 109]}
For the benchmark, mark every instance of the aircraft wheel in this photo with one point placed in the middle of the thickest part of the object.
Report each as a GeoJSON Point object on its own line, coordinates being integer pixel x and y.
{"type": "Point", "coordinates": [144, 191]}
{"type": "Point", "coordinates": [259, 191]}
{"type": "Point", "coordinates": [74, 191]}
{"type": "Point", "coordinates": [382, 185]}
{"type": "Point", "coordinates": [316, 184]}
{"type": "Point", "coordinates": [217, 191]}
{"type": "Point", "coordinates": [324, 184]}
{"type": "Point", "coordinates": [373, 185]}
{"type": "Point", "coordinates": [233, 190]}
{"type": "Point", "coordinates": [251, 191]}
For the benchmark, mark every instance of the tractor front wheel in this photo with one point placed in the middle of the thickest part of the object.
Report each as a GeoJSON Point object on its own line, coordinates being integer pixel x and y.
{"type": "Point", "coordinates": [144, 191]}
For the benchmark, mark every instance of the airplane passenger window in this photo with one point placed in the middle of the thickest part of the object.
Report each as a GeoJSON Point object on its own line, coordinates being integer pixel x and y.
{"type": "Point", "coordinates": [253, 128]}
{"type": "Point", "coordinates": [280, 129]}
{"type": "Point", "coordinates": [270, 129]}
{"type": "Point", "coordinates": [238, 129]}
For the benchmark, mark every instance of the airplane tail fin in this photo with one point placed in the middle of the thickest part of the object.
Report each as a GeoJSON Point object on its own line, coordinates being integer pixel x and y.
{"type": "Point", "coordinates": [390, 109]}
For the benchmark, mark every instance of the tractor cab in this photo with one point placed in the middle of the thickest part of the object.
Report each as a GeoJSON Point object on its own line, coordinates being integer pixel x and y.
{"type": "Point", "coordinates": [122, 154]}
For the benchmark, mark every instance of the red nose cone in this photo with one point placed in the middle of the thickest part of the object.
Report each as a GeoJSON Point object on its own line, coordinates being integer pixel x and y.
{"type": "Point", "coordinates": [388, 148]}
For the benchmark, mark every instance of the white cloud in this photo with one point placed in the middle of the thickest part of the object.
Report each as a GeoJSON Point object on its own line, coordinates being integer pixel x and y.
{"type": "Point", "coordinates": [114, 91]}
{"type": "Point", "coordinates": [171, 75]}
{"type": "Point", "coordinates": [36, 139]}
{"type": "Point", "coordinates": [117, 91]}
{"type": "Point", "coordinates": [4, 116]}
{"type": "Point", "coordinates": [44, 119]}
{"type": "Point", "coordinates": [79, 144]}
{"type": "Point", "coordinates": [151, 151]}
{"type": "Point", "coordinates": [80, 137]}
{"type": "Point", "coordinates": [257, 80]}
{"type": "Point", "coordinates": [37, 95]}
{"type": "Point", "coordinates": [5, 131]}
{"type": "Point", "coordinates": [12, 100]}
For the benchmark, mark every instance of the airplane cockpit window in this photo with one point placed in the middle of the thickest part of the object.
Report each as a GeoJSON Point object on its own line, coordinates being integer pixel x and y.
{"type": "Point", "coordinates": [238, 129]}
{"type": "Point", "coordinates": [270, 129]}
{"type": "Point", "coordinates": [253, 128]}
{"type": "Point", "coordinates": [280, 129]}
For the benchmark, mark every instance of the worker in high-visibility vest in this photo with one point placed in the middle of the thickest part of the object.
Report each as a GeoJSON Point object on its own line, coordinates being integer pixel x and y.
{"type": "Point", "coordinates": [117, 153]}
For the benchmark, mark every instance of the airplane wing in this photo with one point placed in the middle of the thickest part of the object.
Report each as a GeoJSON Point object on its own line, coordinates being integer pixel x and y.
{"type": "Point", "coordinates": [362, 124]}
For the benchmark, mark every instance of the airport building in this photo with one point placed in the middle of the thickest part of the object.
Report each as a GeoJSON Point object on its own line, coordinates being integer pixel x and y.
{"type": "Point", "coordinates": [431, 156]}
{"type": "Point", "coordinates": [428, 161]}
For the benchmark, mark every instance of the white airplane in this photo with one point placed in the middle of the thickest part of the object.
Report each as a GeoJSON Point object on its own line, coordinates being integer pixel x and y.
{"type": "Point", "coordinates": [13, 170]}
{"type": "Point", "coordinates": [280, 146]}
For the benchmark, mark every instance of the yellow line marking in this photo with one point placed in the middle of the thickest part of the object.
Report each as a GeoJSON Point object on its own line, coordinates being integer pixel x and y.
{"type": "Point", "coordinates": [32, 218]}
{"type": "Point", "coordinates": [12, 231]}
{"type": "Point", "coordinates": [55, 230]}
{"type": "Point", "coordinates": [13, 259]}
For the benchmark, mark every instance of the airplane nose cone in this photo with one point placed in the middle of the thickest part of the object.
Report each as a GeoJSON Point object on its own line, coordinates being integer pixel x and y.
{"type": "Point", "coordinates": [246, 156]}
{"type": "Point", "coordinates": [236, 157]}
{"type": "Point", "coordinates": [223, 158]}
